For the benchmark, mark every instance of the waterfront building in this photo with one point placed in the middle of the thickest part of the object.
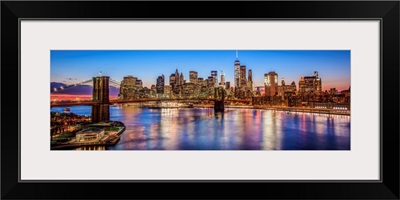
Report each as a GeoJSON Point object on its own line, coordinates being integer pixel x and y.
{"type": "Point", "coordinates": [89, 135]}
{"type": "Point", "coordinates": [160, 84]}
{"type": "Point", "coordinates": [271, 83]}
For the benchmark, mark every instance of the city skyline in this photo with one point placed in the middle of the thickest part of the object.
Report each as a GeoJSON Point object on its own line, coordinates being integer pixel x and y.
{"type": "Point", "coordinates": [71, 66]}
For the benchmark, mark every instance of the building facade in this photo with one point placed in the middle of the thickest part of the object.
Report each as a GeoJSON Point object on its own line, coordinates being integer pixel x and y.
{"type": "Point", "coordinates": [271, 84]}
{"type": "Point", "coordinates": [160, 84]}
{"type": "Point", "coordinates": [193, 76]}
{"type": "Point", "coordinates": [310, 84]}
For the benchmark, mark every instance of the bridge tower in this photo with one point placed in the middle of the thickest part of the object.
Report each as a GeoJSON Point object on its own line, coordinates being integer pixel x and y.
{"type": "Point", "coordinates": [101, 111]}
{"type": "Point", "coordinates": [219, 106]}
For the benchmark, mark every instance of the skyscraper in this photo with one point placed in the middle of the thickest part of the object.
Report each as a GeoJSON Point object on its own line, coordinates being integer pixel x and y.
{"type": "Point", "coordinates": [271, 84]}
{"type": "Point", "coordinates": [172, 79]}
{"type": "Point", "coordinates": [181, 79]}
{"type": "Point", "coordinates": [237, 75]}
{"type": "Point", "coordinates": [193, 75]}
{"type": "Point", "coordinates": [210, 82]}
{"type": "Point", "coordinates": [285, 90]}
{"type": "Point", "coordinates": [318, 82]}
{"type": "Point", "coordinates": [128, 88]}
{"type": "Point", "coordinates": [250, 80]}
{"type": "Point", "coordinates": [227, 85]}
{"type": "Point", "coordinates": [214, 74]}
{"type": "Point", "coordinates": [310, 83]}
{"type": "Point", "coordinates": [222, 83]}
{"type": "Point", "coordinates": [243, 80]}
{"type": "Point", "coordinates": [160, 84]}
{"type": "Point", "coordinates": [177, 82]}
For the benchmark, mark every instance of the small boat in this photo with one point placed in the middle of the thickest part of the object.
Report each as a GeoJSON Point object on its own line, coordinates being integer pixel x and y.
{"type": "Point", "coordinates": [66, 109]}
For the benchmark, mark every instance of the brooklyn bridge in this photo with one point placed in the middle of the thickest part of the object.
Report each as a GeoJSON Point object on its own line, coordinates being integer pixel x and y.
{"type": "Point", "coordinates": [101, 101]}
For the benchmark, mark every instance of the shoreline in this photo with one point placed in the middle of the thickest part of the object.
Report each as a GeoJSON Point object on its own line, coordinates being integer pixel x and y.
{"type": "Point", "coordinates": [284, 109]}
{"type": "Point", "coordinates": [72, 145]}
{"type": "Point", "coordinates": [306, 110]}
{"type": "Point", "coordinates": [277, 108]}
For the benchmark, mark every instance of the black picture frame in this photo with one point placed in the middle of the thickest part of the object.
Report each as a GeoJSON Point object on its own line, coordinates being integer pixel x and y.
{"type": "Point", "coordinates": [386, 11]}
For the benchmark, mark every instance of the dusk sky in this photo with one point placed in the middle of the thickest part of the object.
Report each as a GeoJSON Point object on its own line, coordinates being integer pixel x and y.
{"type": "Point", "coordinates": [72, 66]}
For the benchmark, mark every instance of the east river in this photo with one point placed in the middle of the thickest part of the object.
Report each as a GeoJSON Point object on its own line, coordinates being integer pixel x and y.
{"type": "Point", "coordinates": [235, 129]}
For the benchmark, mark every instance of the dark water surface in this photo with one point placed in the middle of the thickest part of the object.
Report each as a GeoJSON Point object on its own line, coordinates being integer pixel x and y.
{"type": "Point", "coordinates": [236, 129]}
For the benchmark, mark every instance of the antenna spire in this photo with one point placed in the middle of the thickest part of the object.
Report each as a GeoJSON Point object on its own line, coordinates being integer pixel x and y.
{"type": "Point", "coordinates": [237, 54]}
{"type": "Point", "coordinates": [100, 73]}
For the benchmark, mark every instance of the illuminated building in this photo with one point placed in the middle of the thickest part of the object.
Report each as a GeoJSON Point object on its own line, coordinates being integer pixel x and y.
{"type": "Point", "coordinates": [167, 91]}
{"type": "Point", "coordinates": [284, 90]}
{"type": "Point", "coordinates": [91, 135]}
{"type": "Point", "coordinates": [271, 84]}
{"type": "Point", "coordinates": [153, 90]}
{"type": "Point", "coordinates": [310, 83]}
{"type": "Point", "coordinates": [237, 75]}
{"type": "Point", "coordinates": [160, 84]}
{"type": "Point", "coordinates": [243, 80]}
{"type": "Point", "coordinates": [129, 88]}
{"type": "Point", "coordinates": [333, 91]}
{"type": "Point", "coordinates": [302, 85]}
{"type": "Point", "coordinates": [250, 79]}
{"type": "Point", "coordinates": [249, 92]}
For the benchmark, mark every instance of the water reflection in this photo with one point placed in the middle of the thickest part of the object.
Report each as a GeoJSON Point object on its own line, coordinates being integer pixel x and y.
{"type": "Point", "coordinates": [235, 129]}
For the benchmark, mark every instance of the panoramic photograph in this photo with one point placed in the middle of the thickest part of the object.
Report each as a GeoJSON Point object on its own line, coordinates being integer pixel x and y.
{"type": "Point", "coordinates": [200, 100]}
